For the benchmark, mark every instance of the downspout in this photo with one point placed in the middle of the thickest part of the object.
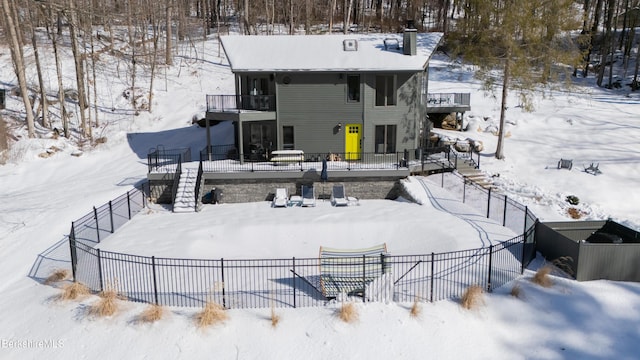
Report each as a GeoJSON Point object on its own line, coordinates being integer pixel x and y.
{"type": "Point", "coordinates": [276, 87]}
{"type": "Point", "coordinates": [362, 99]}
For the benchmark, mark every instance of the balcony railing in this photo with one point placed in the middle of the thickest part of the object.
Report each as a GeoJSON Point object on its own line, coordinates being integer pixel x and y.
{"type": "Point", "coordinates": [236, 103]}
{"type": "Point", "coordinates": [447, 99]}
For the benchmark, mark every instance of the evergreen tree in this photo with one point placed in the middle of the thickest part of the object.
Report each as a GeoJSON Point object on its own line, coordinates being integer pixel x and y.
{"type": "Point", "coordinates": [528, 40]}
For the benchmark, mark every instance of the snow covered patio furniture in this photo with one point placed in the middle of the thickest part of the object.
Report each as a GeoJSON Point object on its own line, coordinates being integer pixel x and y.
{"type": "Point", "coordinates": [349, 271]}
{"type": "Point", "coordinates": [308, 196]}
{"type": "Point", "coordinates": [565, 164]}
{"type": "Point", "coordinates": [338, 197]}
{"type": "Point", "coordinates": [593, 169]}
{"type": "Point", "coordinates": [281, 198]}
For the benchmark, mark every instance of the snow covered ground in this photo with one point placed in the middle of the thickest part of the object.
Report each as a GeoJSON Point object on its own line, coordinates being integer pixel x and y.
{"type": "Point", "coordinates": [41, 196]}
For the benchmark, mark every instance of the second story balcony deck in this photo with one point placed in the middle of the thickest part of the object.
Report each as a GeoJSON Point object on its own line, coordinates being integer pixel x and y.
{"type": "Point", "coordinates": [447, 102]}
{"type": "Point", "coordinates": [239, 103]}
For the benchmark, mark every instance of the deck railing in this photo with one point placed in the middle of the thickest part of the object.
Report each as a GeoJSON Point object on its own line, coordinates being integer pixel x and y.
{"type": "Point", "coordinates": [447, 99]}
{"type": "Point", "coordinates": [235, 103]}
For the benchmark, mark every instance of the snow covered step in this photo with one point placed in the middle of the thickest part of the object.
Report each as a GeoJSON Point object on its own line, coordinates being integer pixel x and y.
{"type": "Point", "coordinates": [185, 196]}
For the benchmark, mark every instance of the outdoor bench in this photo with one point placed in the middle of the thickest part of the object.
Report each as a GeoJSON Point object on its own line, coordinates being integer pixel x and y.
{"type": "Point", "coordinates": [349, 271]}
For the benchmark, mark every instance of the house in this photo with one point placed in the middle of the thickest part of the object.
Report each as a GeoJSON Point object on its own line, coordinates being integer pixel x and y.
{"type": "Point", "coordinates": [347, 95]}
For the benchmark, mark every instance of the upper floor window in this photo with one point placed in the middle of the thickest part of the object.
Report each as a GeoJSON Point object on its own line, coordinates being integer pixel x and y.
{"type": "Point", "coordinates": [353, 88]}
{"type": "Point", "coordinates": [385, 90]}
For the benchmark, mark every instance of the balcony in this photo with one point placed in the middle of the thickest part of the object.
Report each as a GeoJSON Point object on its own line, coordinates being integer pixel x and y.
{"type": "Point", "coordinates": [240, 103]}
{"type": "Point", "coordinates": [447, 102]}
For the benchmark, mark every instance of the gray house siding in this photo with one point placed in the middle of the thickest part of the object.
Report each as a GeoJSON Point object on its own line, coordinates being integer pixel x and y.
{"type": "Point", "coordinates": [405, 114]}
{"type": "Point", "coordinates": [314, 103]}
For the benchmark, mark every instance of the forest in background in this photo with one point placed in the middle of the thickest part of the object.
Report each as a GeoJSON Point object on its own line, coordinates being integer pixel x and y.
{"type": "Point", "coordinates": [531, 43]}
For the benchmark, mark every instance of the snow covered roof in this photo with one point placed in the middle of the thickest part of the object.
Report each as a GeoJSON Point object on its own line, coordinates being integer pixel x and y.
{"type": "Point", "coordinates": [353, 52]}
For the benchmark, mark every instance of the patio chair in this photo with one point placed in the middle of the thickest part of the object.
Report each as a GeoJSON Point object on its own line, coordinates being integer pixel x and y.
{"type": "Point", "coordinates": [565, 164]}
{"type": "Point", "coordinates": [308, 196]}
{"type": "Point", "coordinates": [281, 198]}
{"type": "Point", "coordinates": [338, 198]}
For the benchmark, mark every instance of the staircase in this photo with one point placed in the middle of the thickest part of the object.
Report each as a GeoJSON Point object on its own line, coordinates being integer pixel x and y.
{"type": "Point", "coordinates": [185, 196]}
{"type": "Point", "coordinates": [467, 168]}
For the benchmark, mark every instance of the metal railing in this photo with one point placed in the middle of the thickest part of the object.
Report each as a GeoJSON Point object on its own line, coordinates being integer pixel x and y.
{"type": "Point", "coordinates": [235, 103]}
{"type": "Point", "coordinates": [447, 99]}
{"type": "Point", "coordinates": [334, 161]}
{"type": "Point", "coordinates": [161, 160]}
{"type": "Point", "coordinates": [176, 180]}
{"type": "Point", "coordinates": [198, 189]}
{"type": "Point", "coordinates": [294, 282]}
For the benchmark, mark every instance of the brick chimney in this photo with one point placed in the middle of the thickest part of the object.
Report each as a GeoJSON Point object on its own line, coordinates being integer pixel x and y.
{"type": "Point", "coordinates": [409, 39]}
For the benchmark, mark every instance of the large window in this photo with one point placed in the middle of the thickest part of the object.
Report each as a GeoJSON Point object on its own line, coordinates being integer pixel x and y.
{"type": "Point", "coordinates": [287, 138]}
{"type": "Point", "coordinates": [385, 139]}
{"type": "Point", "coordinates": [353, 88]}
{"type": "Point", "coordinates": [385, 90]}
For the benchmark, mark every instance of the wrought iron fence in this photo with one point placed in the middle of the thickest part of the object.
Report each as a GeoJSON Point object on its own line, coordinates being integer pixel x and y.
{"type": "Point", "coordinates": [161, 160]}
{"type": "Point", "coordinates": [294, 282]}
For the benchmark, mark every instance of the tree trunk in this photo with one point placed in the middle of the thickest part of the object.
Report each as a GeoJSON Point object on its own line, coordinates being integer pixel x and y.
{"type": "Point", "coordinates": [43, 93]}
{"type": "Point", "coordinates": [77, 58]}
{"type": "Point", "coordinates": [18, 62]}
{"type": "Point", "coordinates": [503, 107]}
{"type": "Point", "coordinates": [168, 58]}
{"type": "Point", "coordinates": [592, 34]}
{"type": "Point", "coordinates": [61, 99]}
{"type": "Point", "coordinates": [331, 12]}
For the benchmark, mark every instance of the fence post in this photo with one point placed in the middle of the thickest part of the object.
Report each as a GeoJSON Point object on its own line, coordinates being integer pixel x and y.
{"type": "Point", "coordinates": [144, 195]}
{"type": "Point", "coordinates": [294, 282]}
{"type": "Point", "coordinates": [489, 204]}
{"type": "Point", "coordinates": [224, 300]}
{"type": "Point", "coordinates": [95, 217]}
{"type": "Point", "coordinates": [364, 277]}
{"type": "Point", "coordinates": [490, 266]}
{"type": "Point", "coordinates": [129, 204]}
{"type": "Point", "coordinates": [464, 190]}
{"type": "Point", "coordinates": [524, 242]}
{"type": "Point", "coordinates": [100, 271]}
{"type": "Point", "coordinates": [526, 212]}
{"type": "Point", "coordinates": [72, 249]}
{"type": "Point", "coordinates": [504, 212]}
{"type": "Point", "coordinates": [155, 283]}
{"type": "Point", "coordinates": [432, 276]}
{"type": "Point", "coordinates": [111, 215]}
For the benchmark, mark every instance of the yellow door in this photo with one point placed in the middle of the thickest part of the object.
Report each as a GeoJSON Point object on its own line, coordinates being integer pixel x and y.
{"type": "Point", "coordinates": [352, 141]}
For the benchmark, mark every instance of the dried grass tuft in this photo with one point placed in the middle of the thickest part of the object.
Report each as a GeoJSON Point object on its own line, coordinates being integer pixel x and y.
{"type": "Point", "coordinates": [472, 297]}
{"type": "Point", "coordinates": [152, 313]}
{"type": "Point", "coordinates": [107, 305]}
{"type": "Point", "coordinates": [574, 213]}
{"type": "Point", "coordinates": [516, 291]}
{"type": "Point", "coordinates": [416, 309]}
{"type": "Point", "coordinates": [57, 276]}
{"type": "Point", "coordinates": [73, 291]}
{"type": "Point", "coordinates": [542, 277]}
{"type": "Point", "coordinates": [211, 314]}
{"type": "Point", "coordinates": [348, 313]}
{"type": "Point", "coordinates": [275, 318]}
{"type": "Point", "coordinates": [563, 263]}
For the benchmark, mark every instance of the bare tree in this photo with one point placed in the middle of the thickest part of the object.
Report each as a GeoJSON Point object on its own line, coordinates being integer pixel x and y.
{"type": "Point", "coordinates": [18, 63]}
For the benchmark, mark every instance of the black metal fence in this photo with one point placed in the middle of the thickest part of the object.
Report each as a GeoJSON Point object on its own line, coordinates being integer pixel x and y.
{"type": "Point", "coordinates": [293, 282]}
{"type": "Point", "coordinates": [161, 160]}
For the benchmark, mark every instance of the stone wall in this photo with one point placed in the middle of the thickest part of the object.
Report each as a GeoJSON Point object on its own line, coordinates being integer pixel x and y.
{"type": "Point", "coordinates": [239, 191]}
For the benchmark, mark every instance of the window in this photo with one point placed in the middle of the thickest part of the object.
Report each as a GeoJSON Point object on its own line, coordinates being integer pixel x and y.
{"type": "Point", "coordinates": [287, 138]}
{"type": "Point", "coordinates": [385, 90]}
{"type": "Point", "coordinates": [353, 88]}
{"type": "Point", "coordinates": [385, 139]}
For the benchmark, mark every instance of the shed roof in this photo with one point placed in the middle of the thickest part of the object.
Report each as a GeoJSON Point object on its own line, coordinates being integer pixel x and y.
{"type": "Point", "coordinates": [322, 53]}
